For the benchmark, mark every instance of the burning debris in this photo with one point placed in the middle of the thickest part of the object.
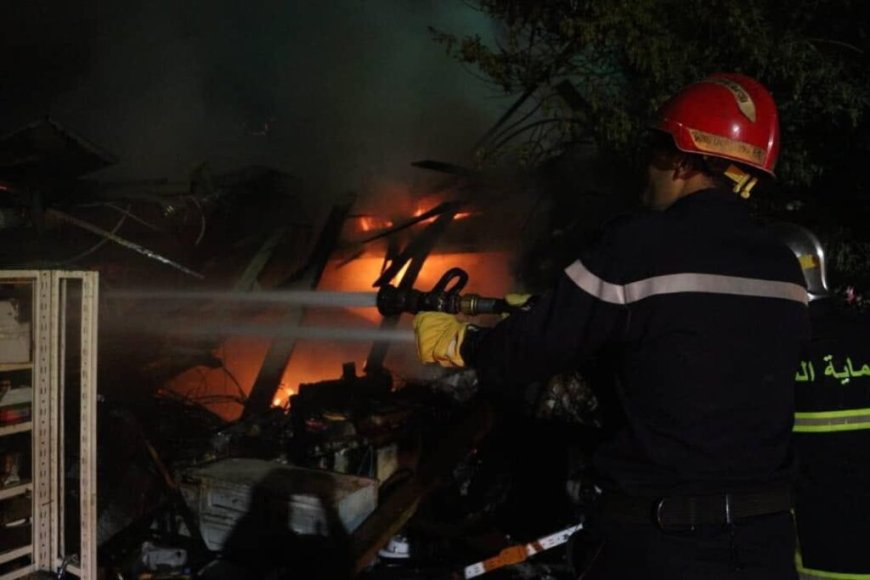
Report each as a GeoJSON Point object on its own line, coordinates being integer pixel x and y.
{"type": "Point", "coordinates": [267, 412]}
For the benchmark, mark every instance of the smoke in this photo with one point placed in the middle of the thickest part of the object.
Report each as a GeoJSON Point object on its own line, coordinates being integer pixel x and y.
{"type": "Point", "coordinates": [340, 93]}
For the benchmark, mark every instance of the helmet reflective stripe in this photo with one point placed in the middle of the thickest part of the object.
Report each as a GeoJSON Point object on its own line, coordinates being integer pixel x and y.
{"type": "Point", "coordinates": [724, 147]}
{"type": "Point", "coordinates": [676, 283]}
{"type": "Point", "coordinates": [744, 101]}
{"type": "Point", "coordinates": [832, 421]}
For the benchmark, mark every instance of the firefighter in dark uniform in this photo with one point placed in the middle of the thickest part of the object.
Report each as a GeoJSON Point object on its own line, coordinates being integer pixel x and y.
{"type": "Point", "coordinates": [704, 313]}
{"type": "Point", "coordinates": [832, 427]}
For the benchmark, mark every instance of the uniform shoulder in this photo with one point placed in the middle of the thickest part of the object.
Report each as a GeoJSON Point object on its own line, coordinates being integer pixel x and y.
{"type": "Point", "coordinates": [627, 226]}
{"type": "Point", "coordinates": [781, 254]}
{"type": "Point", "coordinates": [619, 250]}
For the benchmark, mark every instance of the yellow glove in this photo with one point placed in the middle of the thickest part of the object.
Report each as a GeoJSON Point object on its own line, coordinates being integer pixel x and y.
{"type": "Point", "coordinates": [517, 299]}
{"type": "Point", "coordinates": [439, 337]}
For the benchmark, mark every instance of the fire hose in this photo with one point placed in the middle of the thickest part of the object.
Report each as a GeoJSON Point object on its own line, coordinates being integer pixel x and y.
{"type": "Point", "coordinates": [444, 297]}
{"type": "Point", "coordinates": [520, 552]}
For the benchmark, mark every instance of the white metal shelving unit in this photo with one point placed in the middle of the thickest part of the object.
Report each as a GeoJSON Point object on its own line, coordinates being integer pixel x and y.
{"type": "Point", "coordinates": [52, 301]}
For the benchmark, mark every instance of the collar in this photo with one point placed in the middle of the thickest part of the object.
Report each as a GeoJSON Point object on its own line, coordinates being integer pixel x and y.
{"type": "Point", "coordinates": [713, 194]}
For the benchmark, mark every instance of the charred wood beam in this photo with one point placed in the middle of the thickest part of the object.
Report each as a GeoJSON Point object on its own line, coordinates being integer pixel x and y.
{"type": "Point", "coordinates": [416, 252]}
{"type": "Point", "coordinates": [269, 378]}
{"type": "Point", "coordinates": [457, 177]}
{"type": "Point", "coordinates": [248, 279]}
{"type": "Point", "coordinates": [443, 167]}
{"type": "Point", "coordinates": [435, 211]}
{"type": "Point", "coordinates": [326, 242]}
{"type": "Point", "coordinates": [419, 247]}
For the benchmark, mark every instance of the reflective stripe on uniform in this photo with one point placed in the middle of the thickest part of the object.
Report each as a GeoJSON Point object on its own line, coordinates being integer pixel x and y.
{"type": "Point", "coordinates": [829, 421]}
{"type": "Point", "coordinates": [674, 283]}
{"type": "Point", "coordinates": [813, 574]}
{"type": "Point", "coordinates": [807, 574]}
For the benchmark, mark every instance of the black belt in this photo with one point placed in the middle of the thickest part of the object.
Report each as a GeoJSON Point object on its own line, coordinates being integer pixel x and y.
{"type": "Point", "coordinates": [685, 512]}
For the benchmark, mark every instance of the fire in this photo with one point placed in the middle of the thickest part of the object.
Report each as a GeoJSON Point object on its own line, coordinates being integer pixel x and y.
{"type": "Point", "coordinates": [369, 223]}
{"type": "Point", "coordinates": [317, 361]}
{"type": "Point", "coordinates": [424, 207]}
{"type": "Point", "coordinates": [222, 389]}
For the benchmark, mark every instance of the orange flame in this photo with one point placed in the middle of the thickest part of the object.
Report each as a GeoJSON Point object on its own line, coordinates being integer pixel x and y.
{"type": "Point", "coordinates": [317, 361]}
{"type": "Point", "coordinates": [370, 223]}
{"type": "Point", "coordinates": [313, 361]}
{"type": "Point", "coordinates": [424, 207]}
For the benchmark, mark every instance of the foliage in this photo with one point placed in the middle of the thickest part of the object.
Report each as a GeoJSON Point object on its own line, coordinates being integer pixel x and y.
{"type": "Point", "coordinates": [625, 57]}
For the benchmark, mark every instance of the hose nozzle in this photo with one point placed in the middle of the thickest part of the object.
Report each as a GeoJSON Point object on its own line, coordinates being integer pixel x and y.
{"type": "Point", "coordinates": [392, 300]}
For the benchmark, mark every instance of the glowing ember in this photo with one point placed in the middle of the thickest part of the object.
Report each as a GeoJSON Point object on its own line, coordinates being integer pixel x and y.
{"type": "Point", "coordinates": [371, 223]}
{"type": "Point", "coordinates": [423, 208]}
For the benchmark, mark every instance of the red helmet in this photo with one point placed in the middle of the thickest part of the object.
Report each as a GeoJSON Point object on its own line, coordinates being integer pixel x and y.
{"type": "Point", "coordinates": [726, 115]}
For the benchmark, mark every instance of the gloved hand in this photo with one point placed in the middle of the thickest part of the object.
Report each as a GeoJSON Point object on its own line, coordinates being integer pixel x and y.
{"type": "Point", "coordinates": [439, 337]}
{"type": "Point", "coordinates": [517, 299]}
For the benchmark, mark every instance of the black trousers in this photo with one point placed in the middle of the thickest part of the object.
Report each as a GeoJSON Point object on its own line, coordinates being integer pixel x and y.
{"type": "Point", "coordinates": [759, 548]}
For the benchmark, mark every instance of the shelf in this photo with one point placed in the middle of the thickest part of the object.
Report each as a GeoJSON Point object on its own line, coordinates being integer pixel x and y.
{"type": "Point", "coordinates": [73, 569]}
{"type": "Point", "coordinates": [25, 572]}
{"type": "Point", "coordinates": [14, 490]}
{"type": "Point", "coordinates": [15, 553]}
{"type": "Point", "coordinates": [17, 428]}
{"type": "Point", "coordinates": [17, 396]}
{"type": "Point", "coordinates": [55, 337]}
{"type": "Point", "coordinates": [24, 366]}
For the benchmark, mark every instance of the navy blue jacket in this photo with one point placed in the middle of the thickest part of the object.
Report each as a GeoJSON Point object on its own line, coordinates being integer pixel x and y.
{"type": "Point", "coordinates": [705, 315]}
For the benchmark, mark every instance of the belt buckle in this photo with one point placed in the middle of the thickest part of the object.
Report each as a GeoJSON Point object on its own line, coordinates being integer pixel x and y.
{"type": "Point", "coordinates": [659, 508]}
{"type": "Point", "coordinates": [664, 525]}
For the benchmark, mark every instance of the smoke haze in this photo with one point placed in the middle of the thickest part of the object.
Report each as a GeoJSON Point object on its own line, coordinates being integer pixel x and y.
{"type": "Point", "coordinates": [340, 93]}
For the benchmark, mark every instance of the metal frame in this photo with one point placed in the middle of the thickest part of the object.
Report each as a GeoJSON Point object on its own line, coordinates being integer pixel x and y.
{"type": "Point", "coordinates": [45, 373]}
{"type": "Point", "coordinates": [48, 550]}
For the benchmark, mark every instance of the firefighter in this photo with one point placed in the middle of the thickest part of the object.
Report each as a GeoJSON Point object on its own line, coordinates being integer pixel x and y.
{"type": "Point", "coordinates": [704, 313]}
{"type": "Point", "coordinates": [832, 426]}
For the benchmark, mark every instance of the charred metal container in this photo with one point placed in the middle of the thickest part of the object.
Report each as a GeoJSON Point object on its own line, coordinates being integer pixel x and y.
{"type": "Point", "coordinates": [306, 501]}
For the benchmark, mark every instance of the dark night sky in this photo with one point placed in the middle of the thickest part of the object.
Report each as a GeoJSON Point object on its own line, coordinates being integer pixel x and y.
{"type": "Point", "coordinates": [352, 90]}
